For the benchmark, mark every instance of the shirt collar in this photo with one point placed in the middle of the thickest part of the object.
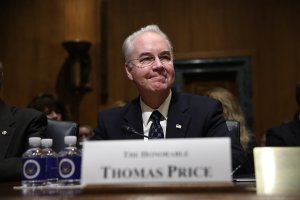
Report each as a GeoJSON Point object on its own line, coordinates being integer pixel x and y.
{"type": "Point", "coordinates": [163, 109]}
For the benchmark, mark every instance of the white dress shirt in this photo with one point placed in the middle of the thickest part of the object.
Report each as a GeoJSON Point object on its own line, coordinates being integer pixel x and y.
{"type": "Point", "coordinates": [147, 111]}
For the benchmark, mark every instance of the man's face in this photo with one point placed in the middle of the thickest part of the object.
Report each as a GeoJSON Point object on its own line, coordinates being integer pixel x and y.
{"type": "Point", "coordinates": [154, 77]}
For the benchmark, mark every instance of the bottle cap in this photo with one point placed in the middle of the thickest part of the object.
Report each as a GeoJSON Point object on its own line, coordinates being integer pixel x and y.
{"type": "Point", "coordinates": [47, 142]}
{"type": "Point", "coordinates": [34, 141]}
{"type": "Point", "coordinates": [70, 140]}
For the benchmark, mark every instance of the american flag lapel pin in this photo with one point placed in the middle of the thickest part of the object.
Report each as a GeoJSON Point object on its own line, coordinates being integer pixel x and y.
{"type": "Point", "coordinates": [4, 132]}
{"type": "Point", "coordinates": [178, 126]}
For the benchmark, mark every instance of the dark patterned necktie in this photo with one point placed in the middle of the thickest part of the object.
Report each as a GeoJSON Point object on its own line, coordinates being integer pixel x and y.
{"type": "Point", "coordinates": [156, 131]}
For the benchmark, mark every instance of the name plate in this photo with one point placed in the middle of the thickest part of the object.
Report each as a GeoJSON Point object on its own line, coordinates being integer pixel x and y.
{"type": "Point", "coordinates": [194, 160]}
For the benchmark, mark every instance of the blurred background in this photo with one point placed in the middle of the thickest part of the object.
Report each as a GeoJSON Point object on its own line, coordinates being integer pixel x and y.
{"type": "Point", "coordinates": [73, 48]}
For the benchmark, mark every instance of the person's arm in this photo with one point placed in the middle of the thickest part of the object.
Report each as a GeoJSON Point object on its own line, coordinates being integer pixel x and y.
{"type": "Point", "coordinates": [99, 131]}
{"type": "Point", "coordinates": [36, 127]}
{"type": "Point", "coordinates": [11, 167]}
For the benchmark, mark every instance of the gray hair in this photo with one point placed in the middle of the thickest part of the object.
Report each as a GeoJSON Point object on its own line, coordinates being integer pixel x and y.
{"type": "Point", "coordinates": [127, 45]}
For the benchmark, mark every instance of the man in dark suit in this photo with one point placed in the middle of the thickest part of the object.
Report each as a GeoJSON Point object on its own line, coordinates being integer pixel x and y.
{"type": "Point", "coordinates": [287, 134]}
{"type": "Point", "coordinates": [149, 64]}
{"type": "Point", "coordinates": [16, 126]}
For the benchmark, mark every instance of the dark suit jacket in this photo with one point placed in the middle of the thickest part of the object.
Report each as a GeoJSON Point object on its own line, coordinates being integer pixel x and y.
{"type": "Point", "coordinates": [16, 126]}
{"type": "Point", "coordinates": [198, 116]}
{"type": "Point", "coordinates": [284, 135]}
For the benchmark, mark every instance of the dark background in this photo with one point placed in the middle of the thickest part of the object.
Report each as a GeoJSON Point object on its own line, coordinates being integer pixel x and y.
{"type": "Point", "coordinates": [32, 32]}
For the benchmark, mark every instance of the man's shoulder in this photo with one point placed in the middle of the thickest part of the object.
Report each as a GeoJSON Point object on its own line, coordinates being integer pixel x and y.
{"type": "Point", "coordinates": [283, 128]}
{"type": "Point", "coordinates": [117, 109]}
{"type": "Point", "coordinates": [26, 121]}
{"type": "Point", "coordinates": [112, 110]}
{"type": "Point", "coordinates": [25, 113]}
{"type": "Point", "coordinates": [282, 135]}
{"type": "Point", "coordinates": [194, 96]}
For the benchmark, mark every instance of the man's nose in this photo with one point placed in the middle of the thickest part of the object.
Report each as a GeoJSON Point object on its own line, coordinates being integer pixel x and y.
{"type": "Point", "coordinates": [157, 63]}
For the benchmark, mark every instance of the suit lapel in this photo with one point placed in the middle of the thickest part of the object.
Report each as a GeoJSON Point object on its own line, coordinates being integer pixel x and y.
{"type": "Point", "coordinates": [6, 128]}
{"type": "Point", "coordinates": [178, 119]}
{"type": "Point", "coordinates": [133, 118]}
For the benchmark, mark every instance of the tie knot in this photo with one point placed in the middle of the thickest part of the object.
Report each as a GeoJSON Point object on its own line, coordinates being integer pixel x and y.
{"type": "Point", "coordinates": [156, 115]}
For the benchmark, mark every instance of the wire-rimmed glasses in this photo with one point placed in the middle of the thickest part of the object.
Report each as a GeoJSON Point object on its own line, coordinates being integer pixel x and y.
{"type": "Point", "coordinates": [148, 60]}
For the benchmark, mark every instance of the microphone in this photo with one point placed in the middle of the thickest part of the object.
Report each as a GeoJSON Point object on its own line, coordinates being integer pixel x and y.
{"type": "Point", "coordinates": [247, 169]}
{"type": "Point", "coordinates": [130, 130]}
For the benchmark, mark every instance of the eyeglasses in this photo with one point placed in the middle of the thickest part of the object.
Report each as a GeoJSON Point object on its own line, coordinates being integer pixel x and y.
{"type": "Point", "coordinates": [148, 60]}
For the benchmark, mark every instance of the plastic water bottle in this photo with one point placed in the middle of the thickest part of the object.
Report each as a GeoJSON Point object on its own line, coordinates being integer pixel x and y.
{"type": "Point", "coordinates": [51, 162]}
{"type": "Point", "coordinates": [33, 161]}
{"type": "Point", "coordinates": [69, 163]}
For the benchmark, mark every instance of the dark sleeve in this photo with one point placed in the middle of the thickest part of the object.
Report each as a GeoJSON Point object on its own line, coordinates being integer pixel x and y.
{"type": "Point", "coordinates": [11, 169]}
{"type": "Point", "coordinates": [274, 137]}
{"type": "Point", "coordinates": [109, 124]}
{"type": "Point", "coordinates": [37, 127]}
{"type": "Point", "coordinates": [29, 124]}
{"type": "Point", "coordinates": [100, 131]}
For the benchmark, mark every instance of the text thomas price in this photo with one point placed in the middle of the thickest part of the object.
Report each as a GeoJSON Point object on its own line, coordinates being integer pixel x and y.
{"type": "Point", "coordinates": [171, 171]}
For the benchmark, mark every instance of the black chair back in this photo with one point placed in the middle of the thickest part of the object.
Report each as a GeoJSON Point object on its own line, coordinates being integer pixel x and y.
{"type": "Point", "coordinates": [57, 130]}
{"type": "Point", "coordinates": [234, 129]}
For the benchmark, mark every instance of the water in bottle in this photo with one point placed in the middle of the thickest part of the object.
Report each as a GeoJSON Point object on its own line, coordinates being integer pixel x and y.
{"type": "Point", "coordinates": [51, 161]}
{"type": "Point", "coordinates": [69, 163]}
{"type": "Point", "coordinates": [33, 162]}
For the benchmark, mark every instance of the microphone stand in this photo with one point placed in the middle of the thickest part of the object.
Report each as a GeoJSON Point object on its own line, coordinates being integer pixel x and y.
{"type": "Point", "coordinates": [130, 130]}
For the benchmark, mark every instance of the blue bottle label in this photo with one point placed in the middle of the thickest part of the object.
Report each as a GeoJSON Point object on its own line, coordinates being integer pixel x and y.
{"type": "Point", "coordinates": [69, 167]}
{"type": "Point", "coordinates": [33, 168]}
{"type": "Point", "coordinates": [52, 169]}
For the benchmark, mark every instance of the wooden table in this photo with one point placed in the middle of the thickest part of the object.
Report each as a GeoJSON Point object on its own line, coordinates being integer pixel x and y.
{"type": "Point", "coordinates": [245, 191]}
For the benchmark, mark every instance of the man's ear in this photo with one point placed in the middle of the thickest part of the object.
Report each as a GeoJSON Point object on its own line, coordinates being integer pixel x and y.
{"type": "Point", "coordinates": [128, 71]}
